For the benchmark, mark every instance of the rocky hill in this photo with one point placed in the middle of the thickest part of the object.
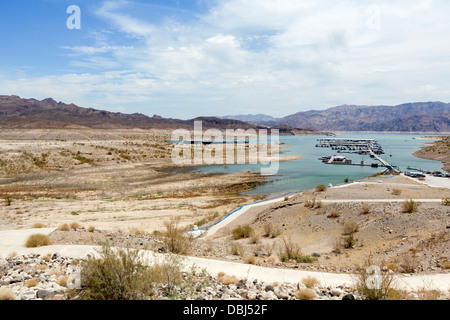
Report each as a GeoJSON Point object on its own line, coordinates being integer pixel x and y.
{"type": "Point", "coordinates": [409, 117]}
{"type": "Point", "coordinates": [16, 112]}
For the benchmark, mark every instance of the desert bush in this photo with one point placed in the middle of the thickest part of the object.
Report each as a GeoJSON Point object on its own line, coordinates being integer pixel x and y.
{"type": "Point", "coordinates": [37, 240]}
{"type": "Point", "coordinates": [241, 232]}
{"type": "Point", "coordinates": [6, 294]}
{"type": "Point", "coordinates": [349, 241]}
{"type": "Point", "coordinates": [291, 251]}
{"type": "Point", "coordinates": [310, 203]}
{"type": "Point", "coordinates": [237, 249]}
{"type": "Point", "coordinates": [227, 279]}
{"type": "Point", "coordinates": [62, 281]}
{"type": "Point", "coordinates": [408, 262]}
{"type": "Point", "coordinates": [254, 238]}
{"type": "Point", "coordinates": [38, 226]}
{"type": "Point", "coordinates": [8, 200]}
{"type": "Point", "coordinates": [373, 284]}
{"type": "Point", "coordinates": [310, 282]}
{"type": "Point", "coordinates": [31, 283]}
{"type": "Point", "coordinates": [270, 231]}
{"type": "Point", "coordinates": [120, 274]}
{"type": "Point", "coordinates": [396, 192]}
{"type": "Point", "coordinates": [91, 229]}
{"type": "Point", "coordinates": [364, 208]}
{"type": "Point", "coordinates": [446, 202]}
{"type": "Point", "coordinates": [251, 259]}
{"type": "Point", "coordinates": [410, 206]}
{"type": "Point", "coordinates": [174, 239]}
{"type": "Point", "coordinates": [334, 214]}
{"type": "Point", "coordinates": [75, 225]}
{"type": "Point", "coordinates": [321, 187]}
{"type": "Point", "coordinates": [64, 227]}
{"type": "Point", "coordinates": [350, 228]}
{"type": "Point", "coordinates": [305, 294]}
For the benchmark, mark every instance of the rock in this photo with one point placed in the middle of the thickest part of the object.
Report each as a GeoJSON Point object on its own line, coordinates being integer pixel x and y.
{"type": "Point", "coordinates": [44, 294]}
{"type": "Point", "coordinates": [268, 288]}
{"type": "Point", "coordinates": [56, 256]}
{"type": "Point", "coordinates": [251, 295]}
{"type": "Point", "coordinates": [348, 296]}
{"type": "Point", "coordinates": [335, 292]}
{"type": "Point", "coordinates": [281, 292]}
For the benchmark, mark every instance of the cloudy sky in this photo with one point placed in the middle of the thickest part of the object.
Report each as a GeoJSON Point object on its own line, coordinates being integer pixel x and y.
{"type": "Point", "coordinates": [184, 59]}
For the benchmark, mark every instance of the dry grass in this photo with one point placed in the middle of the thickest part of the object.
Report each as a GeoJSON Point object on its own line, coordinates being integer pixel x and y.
{"type": "Point", "coordinates": [37, 240]}
{"type": "Point", "coordinates": [305, 294]}
{"type": "Point", "coordinates": [64, 227]}
{"type": "Point", "coordinates": [62, 281]}
{"type": "Point", "coordinates": [237, 249]}
{"type": "Point", "coordinates": [75, 225]}
{"type": "Point", "coordinates": [226, 279]}
{"type": "Point", "coordinates": [350, 228]}
{"type": "Point", "coordinates": [38, 226]}
{"type": "Point", "coordinates": [310, 282]}
{"type": "Point", "coordinates": [251, 259]}
{"type": "Point", "coordinates": [41, 267]}
{"type": "Point", "coordinates": [32, 283]}
{"type": "Point", "coordinates": [91, 229]}
{"type": "Point", "coordinates": [270, 231]}
{"type": "Point", "coordinates": [410, 206]}
{"type": "Point", "coordinates": [364, 209]}
{"type": "Point", "coordinates": [5, 294]}
{"type": "Point", "coordinates": [47, 257]}
{"type": "Point", "coordinates": [174, 239]}
{"type": "Point", "coordinates": [334, 214]}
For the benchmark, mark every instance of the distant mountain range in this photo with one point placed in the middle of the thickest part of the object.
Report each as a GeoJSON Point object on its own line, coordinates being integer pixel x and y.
{"type": "Point", "coordinates": [16, 112]}
{"type": "Point", "coordinates": [408, 117]}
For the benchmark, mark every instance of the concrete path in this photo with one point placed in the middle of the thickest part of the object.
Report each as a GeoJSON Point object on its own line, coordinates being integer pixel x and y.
{"type": "Point", "coordinates": [13, 242]}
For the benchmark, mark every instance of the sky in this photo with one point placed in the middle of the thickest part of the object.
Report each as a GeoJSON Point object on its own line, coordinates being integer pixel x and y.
{"type": "Point", "coordinates": [183, 59]}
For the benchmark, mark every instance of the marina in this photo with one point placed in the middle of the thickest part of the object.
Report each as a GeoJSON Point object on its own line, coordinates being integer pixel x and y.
{"type": "Point", "coordinates": [358, 146]}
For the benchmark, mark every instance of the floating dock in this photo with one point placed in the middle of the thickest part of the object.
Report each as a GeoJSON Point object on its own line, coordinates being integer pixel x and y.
{"type": "Point", "coordinates": [359, 146]}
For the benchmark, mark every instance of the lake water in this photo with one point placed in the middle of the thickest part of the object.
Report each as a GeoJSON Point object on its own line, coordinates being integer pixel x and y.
{"type": "Point", "coordinates": [308, 172]}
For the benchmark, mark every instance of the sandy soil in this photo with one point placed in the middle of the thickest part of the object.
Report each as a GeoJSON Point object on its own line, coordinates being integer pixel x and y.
{"type": "Point", "coordinates": [121, 179]}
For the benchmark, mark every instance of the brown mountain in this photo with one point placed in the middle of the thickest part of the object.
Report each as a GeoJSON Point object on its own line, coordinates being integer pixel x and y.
{"type": "Point", "coordinates": [16, 112]}
{"type": "Point", "coordinates": [409, 117]}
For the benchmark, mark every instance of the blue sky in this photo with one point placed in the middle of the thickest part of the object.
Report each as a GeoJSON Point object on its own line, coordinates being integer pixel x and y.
{"type": "Point", "coordinates": [184, 59]}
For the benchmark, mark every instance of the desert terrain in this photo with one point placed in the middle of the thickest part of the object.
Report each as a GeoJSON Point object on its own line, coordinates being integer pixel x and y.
{"type": "Point", "coordinates": [121, 179]}
{"type": "Point", "coordinates": [121, 186]}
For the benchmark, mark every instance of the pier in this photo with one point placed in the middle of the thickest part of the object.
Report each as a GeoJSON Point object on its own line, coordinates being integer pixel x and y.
{"type": "Point", "coordinates": [359, 146]}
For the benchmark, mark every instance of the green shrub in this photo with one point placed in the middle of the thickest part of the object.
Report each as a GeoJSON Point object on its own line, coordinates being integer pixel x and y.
{"type": "Point", "coordinates": [174, 239]}
{"type": "Point", "coordinates": [117, 274]}
{"type": "Point", "coordinates": [241, 232]}
{"type": "Point", "coordinates": [321, 187]}
{"type": "Point", "coordinates": [8, 200]}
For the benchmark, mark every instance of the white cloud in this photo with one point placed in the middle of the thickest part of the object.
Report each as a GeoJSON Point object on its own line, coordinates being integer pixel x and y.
{"type": "Point", "coordinates": [268, 56]}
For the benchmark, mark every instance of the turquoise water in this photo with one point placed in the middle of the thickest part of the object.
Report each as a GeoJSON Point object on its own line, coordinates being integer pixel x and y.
{"type": "Point", "coordinates": [308, 172]}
